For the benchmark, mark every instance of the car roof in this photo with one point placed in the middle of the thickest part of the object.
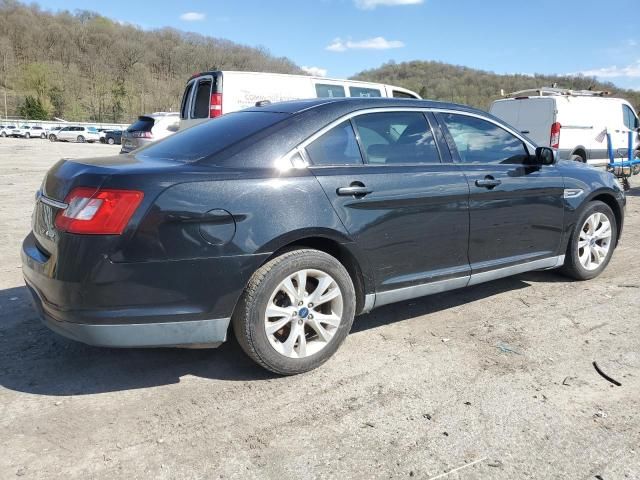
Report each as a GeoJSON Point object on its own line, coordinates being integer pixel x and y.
{"type": "Point", "coordinates": [346, 104]}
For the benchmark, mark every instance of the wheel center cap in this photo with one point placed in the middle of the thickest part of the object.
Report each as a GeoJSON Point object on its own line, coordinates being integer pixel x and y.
{"type": "Point", "coordinates": [303, 312]}
{"type": "Point", "coordinates": [592, 241]}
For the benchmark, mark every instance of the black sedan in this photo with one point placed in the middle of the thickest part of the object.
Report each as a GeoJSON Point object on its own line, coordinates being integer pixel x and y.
{"type": "Point", "coordinates": [287, 220]}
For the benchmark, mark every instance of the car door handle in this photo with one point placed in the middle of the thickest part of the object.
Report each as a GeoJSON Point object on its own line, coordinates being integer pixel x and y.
{"type": "Point", "coordinates": [488, 182]}
{"type": "Point", "coordinates": [357, 190]}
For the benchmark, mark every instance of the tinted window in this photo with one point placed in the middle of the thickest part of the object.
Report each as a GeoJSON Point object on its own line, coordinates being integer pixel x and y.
{"type": "Point", "coordinates": [329, 90]}
{"type": "Point", "coordinates": [143, 124]}
{"type": "Point", "coordinates": [396, 137]}
{"type": "Point", "coordinates": [209, 138]}
{"type": "Point", "coordinates": [338, 146]}
{"type": "Point", "coordinates": [364, 92]}
{"type": "Point", "coordinates": [185, 97]}
{"type": "Point", "coordinates": [479, 141]}
{"type": "Point", "coordinates": [202, 100]}
{"type": "Point", "coordinates": [630, 120]}
{"type": "Point", "coordinates": [397, 94]}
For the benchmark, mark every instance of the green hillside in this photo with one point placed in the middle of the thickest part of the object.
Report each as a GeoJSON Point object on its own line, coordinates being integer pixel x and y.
{"type": "Point", "coordinates": [83, 66]}
{"type": "Point", "coordinates": [442, 81]}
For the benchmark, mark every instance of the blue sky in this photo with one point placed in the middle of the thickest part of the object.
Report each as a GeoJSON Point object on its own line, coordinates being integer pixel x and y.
{"type": "Point", "coordinates": [343, 37]}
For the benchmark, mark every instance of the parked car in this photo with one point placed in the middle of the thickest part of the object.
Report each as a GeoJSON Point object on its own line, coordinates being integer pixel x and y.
{"type": "Point", "coordinates": [78, 134]}
{"type": "Point", "coordinates": [571, 121]}
{"type": "Point", "coordinates": [210, 94]}
{"type": "Point", "coordinates": [113, 137]}
{"type": "Point", "coordinates": [149, 128]}
{"type": "Point", "coordinates": [53, 133]}
{"type": "Point", "coordinates": [28, 131]}
{"type": "Point", "coordinates": [6, 130]}
{"type": "Point", "coordinates": [288, 219]}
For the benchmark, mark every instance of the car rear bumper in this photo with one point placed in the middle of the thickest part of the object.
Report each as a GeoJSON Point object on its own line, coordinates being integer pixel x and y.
{"type": "Point", "coordinates": [207, 332]}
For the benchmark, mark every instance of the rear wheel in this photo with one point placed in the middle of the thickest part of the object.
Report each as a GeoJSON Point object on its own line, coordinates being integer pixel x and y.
{"type": "Point", "coordinates": [27, 135]}
{"type": "Point", "coordinates": [52, 138]}
{"type": "Point", "coordinates": [592, 242]}
{"type": "Point", "coordinates": [80, 139]}
{"type": "Point", "coordinates": [295, 312]}
{"type": "Point", "coordinates": [3, 134]}
{"type": "Point", "coordinates": [43, 136]}
{"type": "Point", "coordinates": [110, 141]}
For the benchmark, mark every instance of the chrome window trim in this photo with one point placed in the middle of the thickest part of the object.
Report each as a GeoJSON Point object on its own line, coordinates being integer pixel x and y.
{"type": "Point", "coordinates": [303, 145]}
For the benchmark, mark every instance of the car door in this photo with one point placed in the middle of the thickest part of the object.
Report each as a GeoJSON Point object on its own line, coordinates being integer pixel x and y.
{"type": "Point", "coordinates": [516, 209]}
{"type": "Point", "coordinates": [65, 133]}
{"type": "Point", "coordinates": [631, 125]}
{"type": "Point", "coordinates": [405, 208]}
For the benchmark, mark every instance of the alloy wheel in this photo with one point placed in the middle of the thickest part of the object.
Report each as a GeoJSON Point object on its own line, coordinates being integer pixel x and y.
{"type": "Point", "coordinates": [594, 242]}
{"type": "Point", "coordinates": [303, 313]}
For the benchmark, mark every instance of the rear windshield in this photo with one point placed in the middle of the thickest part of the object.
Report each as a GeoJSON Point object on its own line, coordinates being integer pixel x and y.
{"type": "Point", "coordinates": [143, 124]}
{"type": "Point", "coordinates": [211, 137]}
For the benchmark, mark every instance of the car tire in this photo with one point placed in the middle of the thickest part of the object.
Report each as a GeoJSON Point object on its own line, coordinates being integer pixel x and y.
{"type": "Point", "coordinates": [43, 136]}
{"type": "Point", "coordinates": [265, 288]}
{"type": "Point", "coordinates": [3, 134]}
{"type": "Point", "coordinates": [52, 138]}
{"type": "Point", "coordinates": [584, 260]}
{"type": "Point", "coordinates": [578, 158]}
{"type": "Point", "coordinates": [110, 141]}
{"type": "Point", "coordinates": [80, 139]}
{"type": "Point", "coordinates": [27, 135]}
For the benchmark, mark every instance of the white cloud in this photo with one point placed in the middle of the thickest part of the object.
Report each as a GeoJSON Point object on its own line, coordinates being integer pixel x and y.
{"type": "Point", "coordinates": [629, 71]}
{"type": "Point", "coordinates": [192, 16]}
{"type": "Point", "coordinates": [315, 71]}
{"type": "Point", "coordinates": [371, 4]}
{"type": "Point", "coordinates": [375, 43]}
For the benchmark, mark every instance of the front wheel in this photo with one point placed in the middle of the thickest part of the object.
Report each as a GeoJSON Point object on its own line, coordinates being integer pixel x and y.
{"type": "Point", "coordinates": [3, 134]}
{"type": "Point", "coordinates": [27, 135]}
{"type": "Point", "coordinates": [43, 136]}
{"type": "Point", "coordinates": [295, 311]}
{"type": "Point", "coordinates": [80, 139]}
{"type": "Point", "coordinates": [592, 242]}
{"type": "Point", "coordinates": [110, 141]}
{"type": "Point", "coordinates": [52, 138]}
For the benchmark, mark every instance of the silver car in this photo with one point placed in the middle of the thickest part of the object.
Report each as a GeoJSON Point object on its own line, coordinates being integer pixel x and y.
{"type": "Point", "coordinates": [149, 128]}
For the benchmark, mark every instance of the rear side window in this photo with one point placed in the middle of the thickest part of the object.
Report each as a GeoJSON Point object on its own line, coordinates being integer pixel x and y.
{"type": "Point", "coordinates": [338, 146]}
{"type": "Point", "coordinates": [202, 99]}
{"type": "Point", "coordinates": [185, 100]}
{"type": "Point", "coordinates": [397, 138]}
{"type": "Point", "coordinates": [332, 91]}
{"type": "Point", "coordinates": [364, 92]}
{"type": "Point", "coordinates": [630, 119]}
{"type": "Point", "coordinates": [480, 141]}
{"type": "Point", "coordinates": [209, 138]}
{"type": "Point", "coordinates": [143, 124]}
{"type": "Point", "coordinates": [399, 94]}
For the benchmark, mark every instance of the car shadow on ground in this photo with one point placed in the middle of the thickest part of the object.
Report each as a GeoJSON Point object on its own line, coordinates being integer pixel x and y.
{"type": "Point", "coordinates": [633, 192]}
{"type": "Point", "coordinates": [37, 361]}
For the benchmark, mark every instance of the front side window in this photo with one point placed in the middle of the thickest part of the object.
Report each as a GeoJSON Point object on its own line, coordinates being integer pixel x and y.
{"type": "Point", "coordinates": [338, 146]}
{"type": "Point", "coordinates": [202, 100]}
{"type": "Point", "coordinates": [630, 119]}
{"type": "Point", "coordinates": [396, 138]}
{"type": "Point", "coordinates": [331, 91]}
{"type": "Point", "coordinates": [364, 92]}
{"type": "Point", "coordinates": [480, 141]}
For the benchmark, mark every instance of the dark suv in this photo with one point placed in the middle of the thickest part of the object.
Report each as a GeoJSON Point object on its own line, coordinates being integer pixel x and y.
{"type": "Point", "coordinates": [289, 219]}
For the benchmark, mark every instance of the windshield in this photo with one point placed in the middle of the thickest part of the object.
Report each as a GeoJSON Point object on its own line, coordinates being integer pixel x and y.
{"type": "Point", "coordinates": [212, 136]}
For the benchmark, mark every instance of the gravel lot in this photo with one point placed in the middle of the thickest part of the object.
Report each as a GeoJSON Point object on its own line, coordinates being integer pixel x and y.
{"type": "Point", "coordinates": [499, 374]}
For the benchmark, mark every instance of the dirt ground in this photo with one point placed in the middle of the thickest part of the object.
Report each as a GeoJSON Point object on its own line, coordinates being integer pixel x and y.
{"type": "Point", "coordinates": [499, 374]}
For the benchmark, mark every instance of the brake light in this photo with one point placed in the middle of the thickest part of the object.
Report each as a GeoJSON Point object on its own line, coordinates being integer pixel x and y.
{"type": "Point", "coordinates": [98, 212]}
{"type": "Point", "coordinates": [215, 106]}
{"type": "Point", "coordinates": [142, 134]}
{"type": "Point", "coordinates": [555, 135]}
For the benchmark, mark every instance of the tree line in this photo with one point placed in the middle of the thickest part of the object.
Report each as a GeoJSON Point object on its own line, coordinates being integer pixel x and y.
{"type": "Point", "coordinates": [83, 66]}
{"type": "Point", "coordinates": [478, 88]}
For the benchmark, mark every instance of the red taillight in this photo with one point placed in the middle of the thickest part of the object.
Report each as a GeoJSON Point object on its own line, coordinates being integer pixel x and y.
{"type": "Point", "coordinates": [215, 106]}
{"type": "Point", "coordinates": [98, 212]}
{"type": "Point", "coordinates": [555, 135]}
{"type": "Point", "coordinates": [142, 134]}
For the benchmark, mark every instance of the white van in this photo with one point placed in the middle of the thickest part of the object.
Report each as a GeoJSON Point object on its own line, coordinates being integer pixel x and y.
{"type": "Point", "coordinates": [211, 94]}
{"type": "Point", "coordinates": [572, 121]}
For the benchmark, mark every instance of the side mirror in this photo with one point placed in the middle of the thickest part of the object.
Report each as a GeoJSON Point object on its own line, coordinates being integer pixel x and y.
{"type": "Point", "coordinates": [545, 156]}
